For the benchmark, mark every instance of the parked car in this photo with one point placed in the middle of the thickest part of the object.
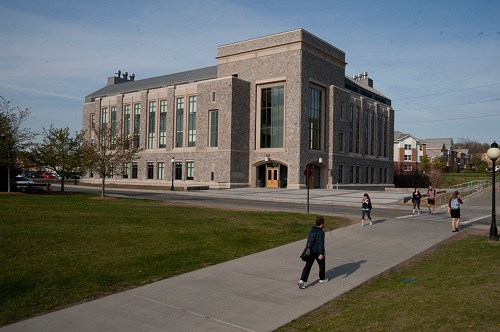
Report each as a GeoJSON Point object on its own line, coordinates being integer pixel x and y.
{"type": "Point", "coordinates": [47, 175]}
{"type": "Point", "coordinates": [22, 182]}
{"type": "Point", "coordinates": [34, 174]}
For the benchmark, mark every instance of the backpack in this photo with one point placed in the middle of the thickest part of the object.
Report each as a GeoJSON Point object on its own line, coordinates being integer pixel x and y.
{"type": "Point", "coordinates": [455, 204]}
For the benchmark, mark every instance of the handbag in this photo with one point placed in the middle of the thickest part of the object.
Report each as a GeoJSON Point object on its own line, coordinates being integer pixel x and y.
{"type": "Point", "coordinates": [306, 253]}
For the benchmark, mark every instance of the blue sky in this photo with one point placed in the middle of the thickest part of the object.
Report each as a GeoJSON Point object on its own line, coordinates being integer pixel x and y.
{"type": "Point", "coordinates": [439, 61]}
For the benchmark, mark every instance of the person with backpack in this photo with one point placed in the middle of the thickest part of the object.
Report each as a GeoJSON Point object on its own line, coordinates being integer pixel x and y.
{"type": "Point", "coordinates": [454, 210]}
{"type": "Point", "coordinates": [316, 241]}
{"type": "Point", "coordinates": [431, 199]}
{"type": "Point", "coordinates": [416, 200]}
{"type": "Point", "coordinates": [366, 207]}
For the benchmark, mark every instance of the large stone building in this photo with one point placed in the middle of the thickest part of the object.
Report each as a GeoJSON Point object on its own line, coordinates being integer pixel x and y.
{"type": "Point", "coordinates": [271, 107]}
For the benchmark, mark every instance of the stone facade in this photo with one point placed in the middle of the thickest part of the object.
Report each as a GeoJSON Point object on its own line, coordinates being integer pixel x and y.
{"type": "Point", "coordinates": [293, 66]}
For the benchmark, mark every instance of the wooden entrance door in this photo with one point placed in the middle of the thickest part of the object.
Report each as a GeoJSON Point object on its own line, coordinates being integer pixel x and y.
{"type": "Point", "coordinates": [272, 177]}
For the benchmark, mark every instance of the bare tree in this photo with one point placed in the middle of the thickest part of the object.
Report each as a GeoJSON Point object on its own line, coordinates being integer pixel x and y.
{"type": "Point", "coordinates": [108, 151]}
{"type": "Point", "coordinates": [61, 152]}
{"type": "Point", "coordinates": [14, 139]}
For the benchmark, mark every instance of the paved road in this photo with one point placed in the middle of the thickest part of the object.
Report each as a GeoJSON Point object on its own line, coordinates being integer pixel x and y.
{"type": "Point", "coordinates": [257, 292]}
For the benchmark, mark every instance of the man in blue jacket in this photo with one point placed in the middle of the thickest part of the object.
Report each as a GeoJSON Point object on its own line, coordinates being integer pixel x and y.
{"type": "Point", "coordinates": [316, 240]}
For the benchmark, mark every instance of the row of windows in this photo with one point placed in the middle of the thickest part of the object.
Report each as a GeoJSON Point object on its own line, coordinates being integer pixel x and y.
{"type": "Point", "coordinates": [159, 123]}
{"type": "Point", "coordinates": [156, 170]}
{"type": "Point", "coordinates": [371, 124]}
{"type": "Point", "coordinates": [354, 175]}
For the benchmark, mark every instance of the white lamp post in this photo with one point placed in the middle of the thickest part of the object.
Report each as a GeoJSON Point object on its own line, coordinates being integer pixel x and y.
{"type": "Point", "coordinates": [493, 153]}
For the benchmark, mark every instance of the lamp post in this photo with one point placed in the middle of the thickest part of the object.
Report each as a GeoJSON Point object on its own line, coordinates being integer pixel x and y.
{"type": "Point", "coordinates": [493, 153]}
{"type": "Point", "coordinates": [173, 162]}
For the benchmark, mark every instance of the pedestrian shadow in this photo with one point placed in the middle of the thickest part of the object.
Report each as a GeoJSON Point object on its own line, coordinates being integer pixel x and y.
{"type": "Point", "coordinates": [344, 270]}
{"type": "Point", "coordinates": [378, 221]}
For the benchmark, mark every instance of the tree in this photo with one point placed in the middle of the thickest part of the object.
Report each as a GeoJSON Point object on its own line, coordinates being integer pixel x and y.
{"type": "Point", "coordinates": [61, 152]}
{"type": "Point", "coordinates": [438, 164]}
{"type": "Point", "coordinates": [14, 139]}
{"type": "Point", "coordinates": [108, 151]}
{"type": "Point", "coordinates": [426, 163]}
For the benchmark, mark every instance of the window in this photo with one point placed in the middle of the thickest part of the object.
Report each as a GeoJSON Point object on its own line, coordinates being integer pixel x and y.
{"type": "Point", "coordinates": [341, 112]}
{"type": "Point", "coordinates": [113, 127]}
{"type": "Point", "coordinates": [358, 174]}
{"type": "Point", "coordinates": [341, 142]}
{"type": "Point", "coordinates": [134, 170]}
{"type": "Point", "coordinates": [161, 170]}
{"type": "Point", "coordinates": [137, 125]}
{"type": "Point", "coordinates": [163, 124]}
{"type": "Point", "coordinates": [192, 121]}
{"type": "Point", "coordinates": [365, 131]}
{"type": "Point", "coordinates": [178, 170]}
{"type": "Point", "coordinates": [407, 146]}
{"type": "Point", "coordinates": [213, 96]}
{"type": "Point", "coordinates": [351, 125]}
{"type": "Point", "coordinates": [407, 156]}
{"type": "Point", "coordinates": [356, 131]}
{"type": "Point", "coordinates": [315, 106]}
{"type": "Point", "coordinates": [372, 174]}
{"type": "Point", "coordinates": [407, 168]}
{"type": "Point", "coordinates": [92, 121]}
{"type": "Point", "coordinates": [214, 129]}
{"type": "Point", "coordinates": [385, 138]}
{"type": "Point", "coordinates": [372, 133]}
{"type": "Point", "coordinates": [151, 124]}
{"type": "Point", "coordinates": [189, 170]}
{"type": "Point", "coordinates": [151, 170]}
{"type": "Point", "coordinates": [104, 125]}
{"type": "Point", "coordinates": [179, 122]}
{"type": "Point", "coordinates": [125, 171]}
{"type": "Point", "coordinates": [351, 174]}
{"type": "Point", "coordinates": [341, 174]}
{"type": "Point", "coordinates": [126, 123]}
{"type": "Point", "coordinates": [272, 109]}
{"type": "Point", "coordinates": [380, 137]}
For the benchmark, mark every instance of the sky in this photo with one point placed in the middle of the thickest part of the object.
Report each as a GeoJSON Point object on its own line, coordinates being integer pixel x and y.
{"type": "Point", "coordinates": [438, 60]}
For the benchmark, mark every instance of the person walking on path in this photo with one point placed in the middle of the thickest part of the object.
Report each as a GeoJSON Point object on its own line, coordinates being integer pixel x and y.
{"type": "Point", "coordinates": [366, 207]}
{"type": "Point", "coordinates": [416, 200]}
{"type": "Point", "coordinates": [454, 210]}
{"type": "Point", "coordinates": [316, 240]}
{"type": "Point", "coordinates": [431, 199]}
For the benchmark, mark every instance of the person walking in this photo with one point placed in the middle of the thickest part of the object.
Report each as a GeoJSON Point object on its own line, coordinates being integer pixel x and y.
{"type": "Point", "coordinates": [431, 199]}
{"type": "Point", "coordinates": [416, 200]}
{"type": "Point", "coordinates": [316, 240]}
{"type": "Point", "coordinates": [366, 207]}
{"type": "Point", "coordinates": [454, 210]}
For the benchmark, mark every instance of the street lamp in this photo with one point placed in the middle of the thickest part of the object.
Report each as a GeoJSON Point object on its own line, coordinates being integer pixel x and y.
{"type": "Point", "coordinates": [173, 162]}
{"type": "Point", "coordinates": [493, 153]}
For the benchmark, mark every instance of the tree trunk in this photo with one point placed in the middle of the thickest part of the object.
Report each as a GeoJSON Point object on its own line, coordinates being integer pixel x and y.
{"type": "Point", "coordinates": [8, 180]}
{"type": "Point", "coordinates": [102, 186]}
{"type": "Point", "coordinates": [62, 183]}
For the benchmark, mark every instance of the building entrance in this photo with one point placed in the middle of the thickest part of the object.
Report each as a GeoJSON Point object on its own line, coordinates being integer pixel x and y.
{"type": "Point", "coordinates": [271, 176]}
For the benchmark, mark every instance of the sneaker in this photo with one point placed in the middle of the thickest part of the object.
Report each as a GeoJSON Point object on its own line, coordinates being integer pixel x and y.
{"type": "Point", "coordinates": [371, 223]}
{"type": "Point", "coordinates": [323, 281]}
{"type": "Point", "coordinates": [456, 230]}
{"type": "Point", "coordinates": [362, 225]}
{"type": "Point", "coordinates": [301, 284]}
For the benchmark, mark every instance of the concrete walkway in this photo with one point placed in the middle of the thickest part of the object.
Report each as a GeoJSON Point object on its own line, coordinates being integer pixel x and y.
{"type": "Point", "coordinates": [254, 293]}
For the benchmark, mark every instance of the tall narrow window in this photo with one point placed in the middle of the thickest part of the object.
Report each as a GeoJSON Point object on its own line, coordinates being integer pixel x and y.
{"type": "Point", "coordinates": [104, 125]}
{"type": "Point", "coordinates": [315, 105]}
{"type": "Point", "coordinates": [125, 171]}
{"type": "Point", "coordinates": [214, 129]}
{"type": "Point", "coordinates": [92, 121]}
{"type": "Point", "coordinates": [341, 174]}
{"type": "Point", "coordinates": [356, 129]}
{"type": "Point", "coordinates": [179, 122]}
{"type": "Point", "coordinates": [151, 124]}
{"type": "Point", "coordinates": [126, 124]}
{"type": "Point", "coordinates": [385, 138]}
{"type": "Point", "coordinates": [151, 170]}
{"type": "Point", "coordinates": [113, 127]}
{"type": "Point", "coordinates": [134, 170]}
{"type": "Point", "coordinates": [351, 174]}
{"type": "Point", "coordinates": [178, 170]}
{"type": "Point", "coordinates": [380, 137]}
{"type": "Point", "coordinates": [372, 133]}
{"type": "Point", "coordinates": [163, 124]}
{"type": "Point", "coordinates": [272, 109]}
{"type": "Point", "coordinates": [351, 125]}
{"type": "Point", "coordinates": [191, 121]}
{"type": "Point", "coordinates": [189, 170]}
{"type": "Point", "coordinates": [161, 170]}
{"type": "Point", "coordinates": [365, 131]}
{"type": "Point", "coordinates": [341, 142]}
{"type": "Point", "coordinates": [137, 125]}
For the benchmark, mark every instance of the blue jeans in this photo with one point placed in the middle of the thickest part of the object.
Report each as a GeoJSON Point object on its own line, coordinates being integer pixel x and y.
{"type": "Point", "coordinates": [309, 264]}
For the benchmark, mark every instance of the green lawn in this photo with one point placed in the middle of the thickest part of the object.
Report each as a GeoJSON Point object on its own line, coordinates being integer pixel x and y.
{"type": "Point", "coordinates": [57, 250]}
{"type": "Point", "coordinates": [452, 288]}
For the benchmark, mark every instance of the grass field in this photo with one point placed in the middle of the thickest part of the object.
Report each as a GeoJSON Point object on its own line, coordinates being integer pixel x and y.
{"type": "Point", "coordinates": [451, 287]}
{"type": "Point", "coordinates": [58, 250]}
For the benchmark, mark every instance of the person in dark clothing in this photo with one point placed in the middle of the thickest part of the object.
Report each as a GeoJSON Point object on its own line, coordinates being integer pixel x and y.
{"type": "Point", "coordinates": [366, 208]}
{"type": "Point", "coordinates": [454, 210]}
{"type": "Point", "coordinates": [416, 197]}
{"type": "Point", "coordinates": [316, 239]}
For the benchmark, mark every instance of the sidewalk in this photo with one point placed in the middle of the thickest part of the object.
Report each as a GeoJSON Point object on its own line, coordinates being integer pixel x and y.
{"type": "Point", "coordinates": [253, 293]}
